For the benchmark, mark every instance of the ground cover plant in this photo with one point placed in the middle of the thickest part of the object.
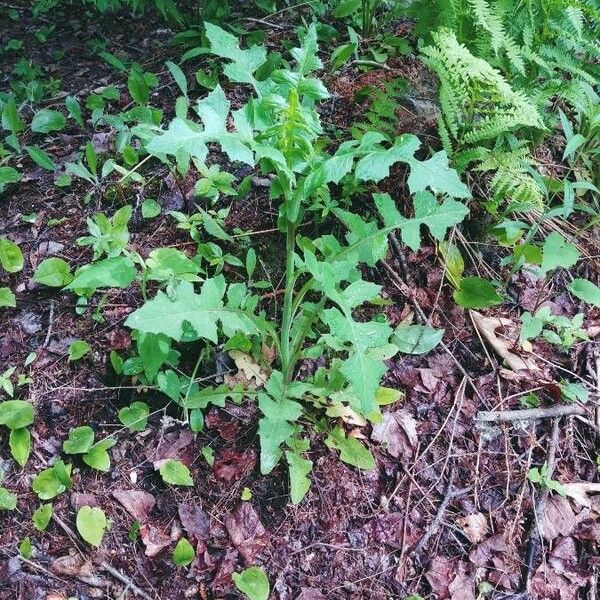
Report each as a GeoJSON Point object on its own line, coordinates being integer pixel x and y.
{"type": "Point", "coordinates": [299, 300]}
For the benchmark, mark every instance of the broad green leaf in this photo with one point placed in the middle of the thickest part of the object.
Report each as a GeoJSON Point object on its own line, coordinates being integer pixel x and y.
{"type": "Point", "coordinates": [376, 160]}
{"type": "Point", "coordinates": [184, 553]}
{"type": "Point", "coordinates": [531, 327]}
{"type": "Point", "coordinates": [47, 120]}
{"type": "Point", "coordinates": [585, 290]}
{"type": "Point", "coordinates": [138, 86]}
{"type": "Point", "coordinates": [78, 349]}
{"type": "Point", "coordinates": [352, 451]}
{"type": "Point", "coordinates": [26, 548]}
{"type": "Point", "coordinates": [8, 175]}
{"type": "Point", "coordinates": [41, 517]}
{"type": "Point", "coordinates": [453, 261]}
{"type": "Point", "coordinates": [385, 396]}
{"type": "Point", "coordinates": [191, 316]}
{"type": "Point", "coordinates": [111, 272]}
{"type": "Point", "coordinates": [16, 414]}
{"type": "Point", "coordinates": [557, 252]}
{"type": "Point", "coordinates": [574, 392]}
{"type": "Point", "coordinates": [8, 500]}
{"type": "Point", "coordinates": [168, 263]}
{"type": "Point", "coordinates": [185, 140]}
{"type": "Point", "coordinates": [436, 174]}
{"type": "Point", "coordinates": [53, 272]}
{"type": "Point", "coordinates": [176, 473]}
{"type": "Point", "coordinates": [306, 57]}
{"type": "Point", "coordinates": [40, 157]}
{"type": "Point", "coordinates": [253, 583]}
{"type": "Point", "coordinates": [74, 110]}
{"type": "Point", "coordinates": [345, 8]}
{"type": "Point", "coordinates": [7, 298]}
{"type": "Point", "coordinates": [244, 62]}
{"type": "Point", "coordinates": [97, 457]}
{"type": "Point", "coordinates": [417, 339]}
{"type": "Point", "coordinates": [11, 257]}
{"type": "Point", "coordinates": [275, 428]}
{"type": "Point", "coordinates": [135, 416]}
{"type": "Point", "coordinates": [53, 481]}
{"type": "Point", "coordinates": [475, 292]}
{"type": "Point", "coordinates": [11, 120]}
{"type": "Point", "coordinates": [150, 208]}
{"type": "Point", "coordinates": [80, 440]}
{"type": "Point", "coordinates": [438, 218]}
{"type": "Point", "coordinates": [91, 524]}
{"type": "Point", "coordinates": [179, 77]}
{"type": "Point", "coordinates": [212, 395]}
{"type": "Point", "coordinates": [299, 468]}
{"type": "Point", "coordinates": [362, 370]}
{"type": "Point", "coordinates": [20, 445]}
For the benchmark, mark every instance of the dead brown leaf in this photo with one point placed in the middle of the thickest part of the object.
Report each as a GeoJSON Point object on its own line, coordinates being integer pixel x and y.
{"type": "Point", "coordinates": [581, 492]}
{"type": "Point", "coordinates": [171, 446]}
{"type": "Point", "coordinates": [462, 586]}
{"type": "Point", "coordinates": [397, 432]}
{"type": "Point", "coordinates": [487, 327]}
{"type": "Point", "coordinates": [231, 465]}
{"type": "Point", "coordinates": [78, 500]}
{"type": "Point", "coordinates": [154, 539]}
{"type": "Point", "coordinates": [251, 372]}
{"type": "Point", "coordinates": [246, 531]}
{"type": "Point", "coordinates": [72, 565]}
{"type": "Point", "coordinates": [137, 503]}
{"type": "Point", "coordinates": [474, 526]}
{"type": "Point", "coordinates": [194, 520]}
{"type": "Point", "coordinates": [439, 575]}
{"type": "Point", "coordinates": [559, 518]}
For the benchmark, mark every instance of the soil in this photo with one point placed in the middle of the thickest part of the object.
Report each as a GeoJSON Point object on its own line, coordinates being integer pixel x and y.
{"type": "Point", "coordinates": [448, 509]}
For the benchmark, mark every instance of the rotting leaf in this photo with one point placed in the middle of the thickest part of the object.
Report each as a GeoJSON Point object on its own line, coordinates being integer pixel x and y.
{"type": "Point", "coordinates": [487, 327]}
{"type": "Point", "coordinates": [137, 503]}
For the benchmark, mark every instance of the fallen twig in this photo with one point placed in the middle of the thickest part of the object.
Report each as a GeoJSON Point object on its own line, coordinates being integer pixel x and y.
{"type": "Point", "coordinates": [528, 414]}
{"type": "Point", "coordinates": [536, 532]}
{"type": "Point", "coordinates": [265, 22]}
{"type": "Point", "coordinates": [50, 323]}
{"type": "Point", "coordinates": [103, 565]}
{"type": "Point", "coordinates": [371, 63]}
{"type": "Point", "coordinates": [450, 494]}
{"type": "Point", "coordinates": [126, 580]}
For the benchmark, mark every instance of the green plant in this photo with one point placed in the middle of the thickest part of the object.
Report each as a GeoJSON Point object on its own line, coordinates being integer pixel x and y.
{"type": "Point", "coordinates": [91, 524]}
{"type": "Point", "coordinates": [8, 500]}
{"type": "Point", "coordinates": [557, 329]}
{"type": "Point", "coordinates": [184, 553]}
{"type": "Point", "coordinates": [108, 236]}
{"type": "Point", "coordinates": [479, 107]}
{"type": "Point", "coordinates": [381, 114]}
{"type": "Point", "coordinates": [541, 477]}
{"type": "Point", "coordinates": [366, 14]}
{"type": "Point", "coordinates": [279, 129]}
{"type": "Point", "coordinates": [17, 415]}
{"type": "Point", "coordinates": [253, 583]}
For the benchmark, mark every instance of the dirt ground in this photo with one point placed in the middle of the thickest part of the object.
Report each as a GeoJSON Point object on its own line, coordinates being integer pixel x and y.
{"type": "Point", "coordinates": [447, 513]}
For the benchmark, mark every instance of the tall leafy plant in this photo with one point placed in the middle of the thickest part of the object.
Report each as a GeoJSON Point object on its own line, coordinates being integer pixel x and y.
{"type": "Point", "coordinates": [279, 130]}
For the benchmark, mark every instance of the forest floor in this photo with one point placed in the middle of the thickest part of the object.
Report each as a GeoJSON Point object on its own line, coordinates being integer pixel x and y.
{"type": "Point", "coordinates": [448, 507]}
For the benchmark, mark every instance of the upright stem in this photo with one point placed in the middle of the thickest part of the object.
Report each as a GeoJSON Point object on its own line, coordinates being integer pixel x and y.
{"type": "Point", "coordinates": [286, 320]}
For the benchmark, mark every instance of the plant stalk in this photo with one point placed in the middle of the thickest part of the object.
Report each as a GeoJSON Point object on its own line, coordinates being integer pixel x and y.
{"type": "Point", "coordinates": [288, 301]}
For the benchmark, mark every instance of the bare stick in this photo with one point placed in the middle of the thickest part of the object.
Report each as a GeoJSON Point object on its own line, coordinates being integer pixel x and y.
{"type": "Point", "coordinates": [50, 323]}
{"type": "Point", "coordinates": [126, 580]}
{"type": "Point", "coordinates": [536, 533]}
{"type": "Point", "coordinates": [450, 494]}
{"type": "Point", "coordinates": [264, 22]}
{"type": "Point", "coordinates": [496, 416]}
